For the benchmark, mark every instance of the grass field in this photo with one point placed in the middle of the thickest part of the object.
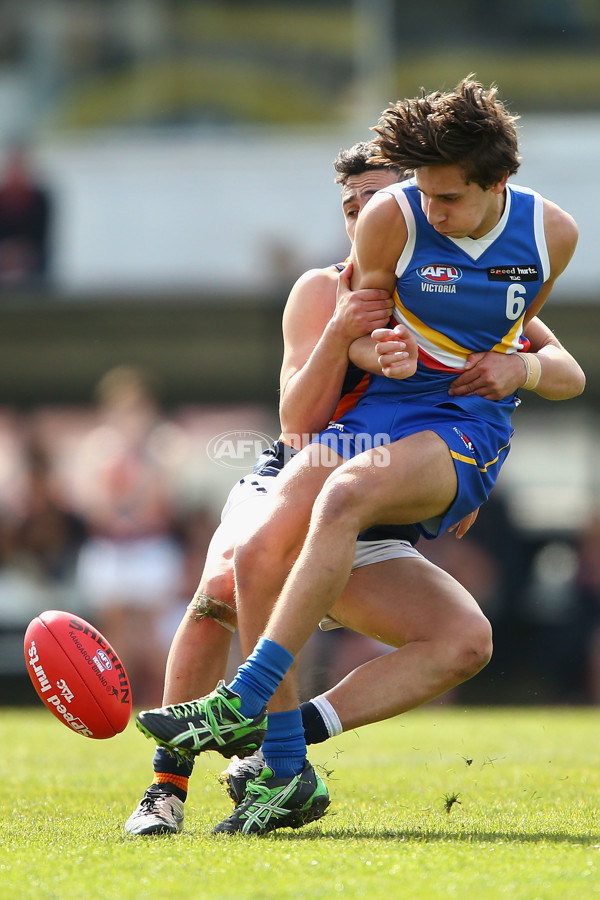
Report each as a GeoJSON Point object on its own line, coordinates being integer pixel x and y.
{"type": "Point", "coordinates": [444, 802]}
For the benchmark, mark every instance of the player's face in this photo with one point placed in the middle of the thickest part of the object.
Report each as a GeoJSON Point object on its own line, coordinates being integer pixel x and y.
{"type": "Point", "coordinates": [455, 208]}
{"type": "Point", "coordinates": [357, 192]}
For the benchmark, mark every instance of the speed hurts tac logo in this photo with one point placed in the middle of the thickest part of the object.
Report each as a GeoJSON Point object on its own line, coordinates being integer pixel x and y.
{"type": "Point", "coordinates": [513, 273]}
{"type": "Point", "coordinates": [439, 278]}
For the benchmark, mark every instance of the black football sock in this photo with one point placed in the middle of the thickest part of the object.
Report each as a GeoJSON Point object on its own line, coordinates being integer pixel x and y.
{"type": "Point", "coordinates": [172, 770]}
{"type": "Point", "coordinates": [315, 729]}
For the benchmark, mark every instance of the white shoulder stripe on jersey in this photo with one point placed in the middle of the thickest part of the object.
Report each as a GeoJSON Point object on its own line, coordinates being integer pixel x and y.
{"type": "Point", "coordinates": [540, 236]}
{"type": "Point", "coordinates": [396, 191]}
{"type": "Point", "coordinates": [538, 227]}
{"type": "Point", "coordinates": [409, 247]}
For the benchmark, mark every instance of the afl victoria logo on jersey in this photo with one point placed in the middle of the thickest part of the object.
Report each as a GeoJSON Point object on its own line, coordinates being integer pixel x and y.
{"type": "Point", "coordinates": [439, 278]}
{"type": "Point", "coordinates": [439, 274]}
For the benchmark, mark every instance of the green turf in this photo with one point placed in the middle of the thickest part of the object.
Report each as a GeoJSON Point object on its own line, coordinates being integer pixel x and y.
{"type": "Point", "coordinates": [443, 802]}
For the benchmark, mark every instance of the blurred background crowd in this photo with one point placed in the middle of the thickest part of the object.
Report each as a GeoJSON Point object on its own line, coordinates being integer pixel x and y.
{"type": "Point", "coordinates": [165, 175]}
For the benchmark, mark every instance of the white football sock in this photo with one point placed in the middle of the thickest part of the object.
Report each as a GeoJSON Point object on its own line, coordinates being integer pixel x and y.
{"type": "Point", "coordinates": [328, 714]}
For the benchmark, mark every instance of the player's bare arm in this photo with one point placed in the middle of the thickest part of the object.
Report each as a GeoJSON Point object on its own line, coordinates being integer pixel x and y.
{"type": "Point", "coordinates": [358, 312]}
{"type": "Point", "coordinates": [392, 352]}
{"type": "Point", "coordinates": [561, 375]}
{"type": "Point", "coordinates": [309, 308]}
{"type": "Point", "coordinates": [496, 375]}
{"type": "Point", "coordinates": [374, 255]}
{"type": "Point", "coordinates": [320, 322]}
{"type": "Point", "coordinates": [379, 240]}
{"type": "Point", "coordinates": [561, 239]}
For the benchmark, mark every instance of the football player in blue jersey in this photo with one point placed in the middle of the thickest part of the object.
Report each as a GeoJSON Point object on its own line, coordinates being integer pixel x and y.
{"type": "Point", "coordinates": [318, 329]}
{"type": "Point", "coordinates": [439, 646]}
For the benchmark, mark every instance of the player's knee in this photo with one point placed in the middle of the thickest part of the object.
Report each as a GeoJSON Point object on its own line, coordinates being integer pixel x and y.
{"type": "Point", "coordinates": [220, 585]}
{"type": "Point", "coordinates": [251, 553]}
{"type": "Point", "coordinates": [341, 500]}
{"type": "Point", "coordinates": [270, 549]}
{"type": "Point", "coordinates": [473, 651]}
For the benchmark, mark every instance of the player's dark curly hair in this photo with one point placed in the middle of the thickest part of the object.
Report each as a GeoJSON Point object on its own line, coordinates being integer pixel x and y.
{"type": "Point", "coordinates": [360, 157]}
{"type": "Point", "coordinates": [469, 127]}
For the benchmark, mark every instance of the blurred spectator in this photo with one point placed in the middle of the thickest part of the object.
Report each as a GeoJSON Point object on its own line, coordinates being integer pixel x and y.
{"type": "Point", "coordinates": [96, 518]}
{"type": "Point", "coordinates": [49, 535]}
{"type": "Point", "coordinates": [130, 568]}
{"type": "Point", "coordinates": [25, 219]}
{"type": "Point", "coordinates": [40, 539]}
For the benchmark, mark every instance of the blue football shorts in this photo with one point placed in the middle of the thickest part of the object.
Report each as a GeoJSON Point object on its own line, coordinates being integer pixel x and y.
{"type": "Point", "coordinates": [477, 446]}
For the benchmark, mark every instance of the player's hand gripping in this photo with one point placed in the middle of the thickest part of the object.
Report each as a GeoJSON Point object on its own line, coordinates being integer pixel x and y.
{"type": "Point", "coordinates": [491, 375]}
{"type": "Point", "coordinates": [397, 351]}
{"type": "Point", "coordinates": [358, 312]}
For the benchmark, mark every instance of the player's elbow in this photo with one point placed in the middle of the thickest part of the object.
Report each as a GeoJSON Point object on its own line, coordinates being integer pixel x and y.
{"type": "Point", "coordinates": [300, 424]}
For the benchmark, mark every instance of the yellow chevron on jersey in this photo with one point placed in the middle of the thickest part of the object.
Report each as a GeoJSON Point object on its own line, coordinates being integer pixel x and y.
{"type": "Point", "coordinates": [440, 346]}
{"type": "Point", "coordinates": [434, 343]}
{"type": "Point", "coordinates": [510, 341]}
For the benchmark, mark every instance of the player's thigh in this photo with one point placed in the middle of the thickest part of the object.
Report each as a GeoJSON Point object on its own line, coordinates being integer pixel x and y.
{"type": "Point", "coordinates": [407, 481]}
{"type": "Point", "coordinates": [304, 475]}
{"type": "Point", "coordinates": [292, 499]}
{"type": "Point", "coordinates": [217, 578]}
{"type": "Point", "coordinates": [239, 522]}
{"type": "Point", "coordinates": [404, 600]}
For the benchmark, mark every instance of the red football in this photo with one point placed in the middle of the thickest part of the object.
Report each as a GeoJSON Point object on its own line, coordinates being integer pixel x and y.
{"type": "Point", "coordinates": [77, 674]}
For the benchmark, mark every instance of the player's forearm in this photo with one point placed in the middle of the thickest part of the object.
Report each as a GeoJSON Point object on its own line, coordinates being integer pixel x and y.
{"type": "Point", "coordinates": [310, 396]}
{"type": "Point", "coordinates": [363, 354]}
{"type": "Point", "coordinates": [560, 377]}
{"type": "Point", "coordinates": [308, 404]}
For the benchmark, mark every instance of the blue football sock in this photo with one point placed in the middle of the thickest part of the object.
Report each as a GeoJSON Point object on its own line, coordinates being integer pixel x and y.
{"type": "Point", "coordinates": [284, 747]}
{"type": "Point", "coordinates": [259, 677]}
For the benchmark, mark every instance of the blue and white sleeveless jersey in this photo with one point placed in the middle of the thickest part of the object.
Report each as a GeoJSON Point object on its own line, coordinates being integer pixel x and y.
{"type": "Point", "coordinates": [462, 295]}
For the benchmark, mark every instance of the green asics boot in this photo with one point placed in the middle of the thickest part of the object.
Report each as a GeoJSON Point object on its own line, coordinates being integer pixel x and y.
{"type": "Point", "coordinates": [239, 772]}
{"type": "Point", "coordinates": [272, 803]}
{"type": "Point", "coordinates": [213, 722]}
